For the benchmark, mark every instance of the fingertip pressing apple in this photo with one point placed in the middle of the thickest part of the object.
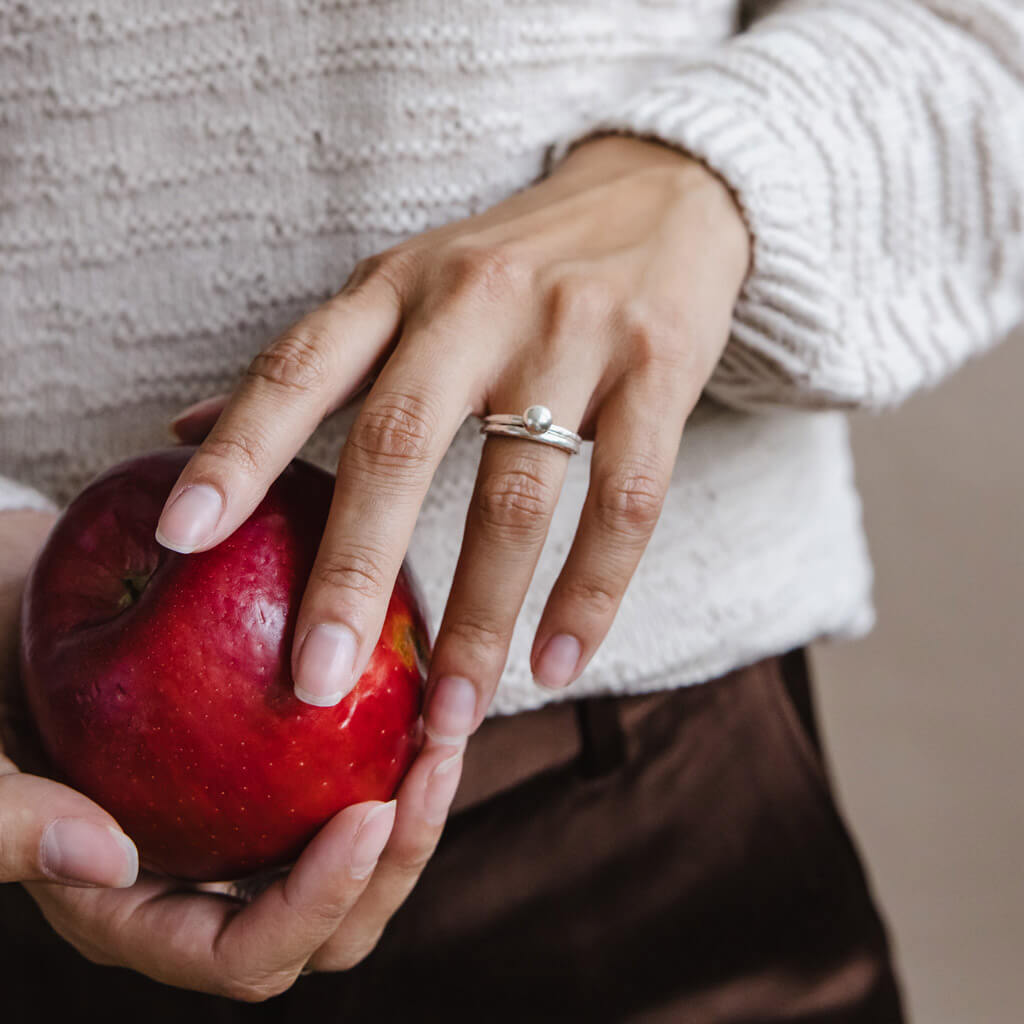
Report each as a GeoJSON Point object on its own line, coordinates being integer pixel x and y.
{"type": "Point", "coordinates": [325, 664]}
{"type": "Point", "coordinates": [190, 519]}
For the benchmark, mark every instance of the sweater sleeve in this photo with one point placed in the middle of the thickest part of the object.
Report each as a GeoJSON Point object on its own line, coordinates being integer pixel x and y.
{"type": "Point", "coordinates": [876, 148]}
{"type": "Point", "coordinates": [14, 495]}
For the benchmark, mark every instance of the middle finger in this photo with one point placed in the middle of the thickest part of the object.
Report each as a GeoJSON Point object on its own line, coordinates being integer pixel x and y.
{"type": "Point", "coordinates": [405, 426]}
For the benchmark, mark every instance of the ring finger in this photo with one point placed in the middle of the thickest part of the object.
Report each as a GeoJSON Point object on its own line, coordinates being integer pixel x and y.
{"type": "Point", "coordinates": [516, 491]}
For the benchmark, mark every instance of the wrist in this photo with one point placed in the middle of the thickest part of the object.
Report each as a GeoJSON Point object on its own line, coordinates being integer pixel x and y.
{"type": "Point", "coordinates": [685, 179]}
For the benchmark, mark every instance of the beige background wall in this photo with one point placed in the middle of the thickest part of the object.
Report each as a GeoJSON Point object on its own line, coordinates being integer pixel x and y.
{"type": "Point", "coordinates": [925, 718]}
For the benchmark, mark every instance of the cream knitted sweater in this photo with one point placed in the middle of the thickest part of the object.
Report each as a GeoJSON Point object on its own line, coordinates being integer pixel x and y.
{"type": "Point", "coordinates": [180, 181]}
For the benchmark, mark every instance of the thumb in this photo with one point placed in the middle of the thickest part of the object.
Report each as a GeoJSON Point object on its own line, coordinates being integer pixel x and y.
{"type": "Point", "coordinates": [50, 833]}
{"type": "Point", "coordinates": [193, 423]}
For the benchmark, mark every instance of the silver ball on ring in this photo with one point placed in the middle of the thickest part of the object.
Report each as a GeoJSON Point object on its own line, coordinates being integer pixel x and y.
{"type": "Point", "coordinates": [537, 419]}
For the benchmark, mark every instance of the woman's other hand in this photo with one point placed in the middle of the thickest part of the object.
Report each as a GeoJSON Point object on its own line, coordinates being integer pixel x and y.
{"type": "Point", "coordinates": [604, 292]}
{"type": "Point", "coordinates": [326, 913]}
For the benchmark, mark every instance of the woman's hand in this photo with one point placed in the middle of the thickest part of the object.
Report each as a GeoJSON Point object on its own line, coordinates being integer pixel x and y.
{"type": "Point", "coordinates": [326, 913]}
{"type": "Point", "coordinates": [605, 293]}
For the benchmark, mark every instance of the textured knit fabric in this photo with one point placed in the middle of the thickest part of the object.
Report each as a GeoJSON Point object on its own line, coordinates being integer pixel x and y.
{"type": "Point", "coordinates": [180, 182]}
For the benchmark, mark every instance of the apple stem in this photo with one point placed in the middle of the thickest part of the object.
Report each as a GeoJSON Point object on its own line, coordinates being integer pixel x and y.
{"type": "Point", "coordinates": [134, 586]}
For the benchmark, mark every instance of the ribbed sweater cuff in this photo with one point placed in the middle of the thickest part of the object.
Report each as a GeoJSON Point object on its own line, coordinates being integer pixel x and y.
{"type": "Point", "coordinates": [704, 113]}
{"type": "Point", "coordinates": [845, 151]}
{"type": "Point", "coordinates": [696, 113]}
{"type": "Point", "coordinates": [18, 496]}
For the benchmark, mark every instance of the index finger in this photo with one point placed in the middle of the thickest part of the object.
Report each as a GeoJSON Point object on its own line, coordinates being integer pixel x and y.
{"type": "Point", "coordinates": [287, 390]}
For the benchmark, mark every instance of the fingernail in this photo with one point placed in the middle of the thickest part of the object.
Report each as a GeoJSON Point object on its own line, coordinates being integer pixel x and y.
{"type": "Point", "coordinates": [371, 839]}
{"type": "Point", "coordinates": [441, 787]}
{"type": "Point", "coordinates": [452, 710]}
{"type": "Point", "coordinates": [190, 518]}
{"type": "Point", "coordinates": [78, 852]}
{"type": "Point", "coordinates": [557, 663]}
{"type": "Point", "coordinates": [326, 663]}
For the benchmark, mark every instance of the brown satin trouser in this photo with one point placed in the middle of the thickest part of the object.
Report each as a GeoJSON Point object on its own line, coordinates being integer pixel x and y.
{"type": "Point", "coordinates": [673, 857]}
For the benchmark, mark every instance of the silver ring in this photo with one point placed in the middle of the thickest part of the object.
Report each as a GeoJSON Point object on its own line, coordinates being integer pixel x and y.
{"type": "Point", "coordinates": [534, 425]}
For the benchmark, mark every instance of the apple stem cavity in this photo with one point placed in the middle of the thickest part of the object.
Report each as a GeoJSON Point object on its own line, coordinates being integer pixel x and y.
{"type": "Point", "coordinates": [134, 587]}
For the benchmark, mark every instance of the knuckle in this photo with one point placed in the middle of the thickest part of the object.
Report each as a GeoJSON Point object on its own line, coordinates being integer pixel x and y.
{"type": "Point", "coordinates": [358, 570]}
{"type": "Point", "coordinates": [391, 268]}
{"type": "Point", "coordinates": [395, 429]}
{"type": "Point", "coordinates": [293, 363]}
{"type": "Point", "coordinates": [597, 593]}
{"type": "Point", "coordinates": [515, 502]}
{"type": "Point", "coordinates": [246, 452]}
{"type": "Point", "coordinates": [629, 501]}
{"type": "Point", "coordinates": [365, 270]}
{"type": "Point", "coordinates": [327, 912]}
{"type": "Point", "coordinates": [478, 633]}
{"type": "Point", "coordinates": [492, 273]}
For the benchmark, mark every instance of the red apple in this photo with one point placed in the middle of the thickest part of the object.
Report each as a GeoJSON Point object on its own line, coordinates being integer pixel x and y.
{"type": "Point", "coordinates": [161, 685]}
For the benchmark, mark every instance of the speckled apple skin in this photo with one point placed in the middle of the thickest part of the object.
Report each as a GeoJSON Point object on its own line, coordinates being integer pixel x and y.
{"type": "Point", "coordinates": [176, 712]}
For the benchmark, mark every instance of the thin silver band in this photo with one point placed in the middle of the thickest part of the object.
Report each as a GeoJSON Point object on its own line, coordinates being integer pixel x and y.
{"type": "Point", "coordinates": [533, 425]}
{"type": "Point", "coordinates": [551, 437]}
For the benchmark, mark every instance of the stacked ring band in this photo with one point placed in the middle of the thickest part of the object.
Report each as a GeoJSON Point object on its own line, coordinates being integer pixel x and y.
{"type": "Point", "coordinates": [533, 425]}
